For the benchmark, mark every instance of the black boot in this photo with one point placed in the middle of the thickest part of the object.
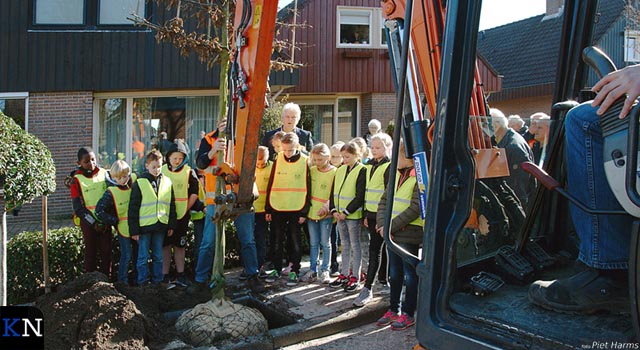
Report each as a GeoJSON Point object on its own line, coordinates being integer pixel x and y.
{"type": "Point", "coordinates": [587, 292]}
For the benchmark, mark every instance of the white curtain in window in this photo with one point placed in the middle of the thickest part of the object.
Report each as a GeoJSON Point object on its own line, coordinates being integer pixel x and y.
{"type": "Point", "coordinates": [117, 11]}
{"type": "Point", "coordinates": [59, 11]}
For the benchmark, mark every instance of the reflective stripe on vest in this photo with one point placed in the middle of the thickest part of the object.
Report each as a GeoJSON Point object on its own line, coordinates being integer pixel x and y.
{"type": "Point", "coordinates": [375, 187]}
{"type": "Point", "coordinates": [320, 189]}
{"type": "Point", "coordinates": [180, 181]}
{"type": "Point", "coordinates": [403, 196]}
{"type": "Point", "coordinates": [289, 185]}
{"type": "Point", "coordinates": [121, 201]}
{"type": "Point", "coordinates": [262, 181]}
{"type": "Point", "coordinates": [198, 215]}
{"type": "Point", "coordinates": [154, 208]}
{"type": "Point", "coordinates": [209, 178]}
{"type": "Point", "coordinates": [92, 189]}
{"type": "Point", "coordinates": [344, 190]}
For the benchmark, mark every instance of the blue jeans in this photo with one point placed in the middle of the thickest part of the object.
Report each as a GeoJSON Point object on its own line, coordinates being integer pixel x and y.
{"type": "Point", "coordinates": [125, 258]}
{"type": "Point", "coordinates": [349, 231]}
{"type": "Point", "coordinates": [402, 272]}
{"type": "Point", "coordinates": [245, 224]}
{"type": "Point", "coordinates": [207, 247]}
{"type": "Point", "coordinates": [604, 239]}
{"type": "Point", "coordinates": [320, 236]}
{"type": "Point", "coordinates": [262, 227]}
{"type": "Point", "coordinates": [151, 241]}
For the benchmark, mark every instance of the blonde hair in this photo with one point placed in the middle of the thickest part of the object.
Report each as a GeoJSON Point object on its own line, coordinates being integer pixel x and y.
{"type": "Point", "coordinates": [119, 169]}
{"type": "Point", "coordinates": [386, 142]}
{"type": "Point", "coordinates": [264, 151]}
{"type": "Point", "coordinates": [337, 146]}
{"type": "Point", "coordinates": [322, 150]}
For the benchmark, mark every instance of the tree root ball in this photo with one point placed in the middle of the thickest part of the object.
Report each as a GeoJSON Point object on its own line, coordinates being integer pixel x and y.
{"type": "Point", "coordinates": [217, 320]}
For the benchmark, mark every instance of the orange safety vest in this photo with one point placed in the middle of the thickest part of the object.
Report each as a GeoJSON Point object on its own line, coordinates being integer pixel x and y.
{"type": "Point", "coordinates": [209, 177]}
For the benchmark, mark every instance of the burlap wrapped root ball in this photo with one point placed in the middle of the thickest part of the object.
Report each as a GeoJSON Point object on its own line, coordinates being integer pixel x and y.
{"type": "Point", "coordinates": [216, 320]}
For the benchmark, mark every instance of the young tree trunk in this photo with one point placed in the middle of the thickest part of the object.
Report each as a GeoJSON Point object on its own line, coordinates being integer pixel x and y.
{"type": "Point", "coordinates": [3, 261]}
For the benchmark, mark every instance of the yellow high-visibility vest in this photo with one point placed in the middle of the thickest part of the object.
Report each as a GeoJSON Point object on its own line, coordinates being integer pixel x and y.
{"type": "Point", "coordinates": [289, 185]}
{"type": "Point", "coordinates": [197, 215]}
{"type": "Point", "coordinates": [375, 187]}
{"type": "Point", "coordinates": [320, 189]}
{"type": "Point", "coordinates": [154, 208]}
{"type": "Point", "coordinates": [344, 189]}
{"type": "Point", "coordinates": [262, 181]}
{"type": "Point", "coordinates": [402, 199]}
{"type": "Point", "coordinates": [180, 181]}
{"type": "Point", "coordinates": [92, 189]}
{"type": "Point", "coordinates": [121, 200]}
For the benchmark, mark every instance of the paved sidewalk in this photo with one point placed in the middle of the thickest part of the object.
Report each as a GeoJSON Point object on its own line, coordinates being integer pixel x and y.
{"type": "Point", "coordinates": [321, 311]}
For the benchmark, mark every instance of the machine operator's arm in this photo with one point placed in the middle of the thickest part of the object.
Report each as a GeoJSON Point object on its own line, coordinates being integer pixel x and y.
{"type": "Point", "coordinates": [613, 85]}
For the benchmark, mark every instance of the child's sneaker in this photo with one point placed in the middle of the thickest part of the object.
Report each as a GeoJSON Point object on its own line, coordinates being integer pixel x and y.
{"type": "Point", "coordinates": [166, 283]}
{"type": "Point", "coordinates": [387, 318]}
{"type": "Point", "coordinates": [272, 276]}
{"type": "Point", "coordinates": [325, 278]}
{"type": "Point", "coordinates": [293, 279]}
{"type": "Point", "coordinates": [382, 288]}
{"type": "Point", "coordinates": [262, 274]}
{"type": "Point", "coordinates": [352, 285]}
{"type": "Point", "coordinates": [403, 322]}
{"type": "Point", "coordinates": [286, 270]}
{"type": "Point", "coordinates": [363, 277]}
{"type": "Point", "coordinates": [182, 280]}
{"type": "Point", "coordinates": [363, 298]}
{"type": "Point", "coordinates": [309, 276]}
{"type": "Point", "coordinates": [341, 281]}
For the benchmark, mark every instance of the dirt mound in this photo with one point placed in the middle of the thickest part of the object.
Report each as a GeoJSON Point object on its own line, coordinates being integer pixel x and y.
{"type": "Point", "coordinates": [90, 313]}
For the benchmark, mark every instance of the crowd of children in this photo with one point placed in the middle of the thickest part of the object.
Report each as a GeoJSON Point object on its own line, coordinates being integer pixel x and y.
{"type": "Point", "coordinates": [335, 191]}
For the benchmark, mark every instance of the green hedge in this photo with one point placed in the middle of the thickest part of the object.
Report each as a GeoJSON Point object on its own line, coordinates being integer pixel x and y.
{"type": "Point", "coordinates": [66, 252]}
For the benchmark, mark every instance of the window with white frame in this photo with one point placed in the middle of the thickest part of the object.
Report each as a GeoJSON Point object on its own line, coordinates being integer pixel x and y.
{"type": "Point", "coordinates": [632, 46]}
{"type": "Point", "coordinates": [360, 27]}
{"type": "Point", "coordinates": [128, 128]}
{"type": "Point", "coordinates": [14, 106]}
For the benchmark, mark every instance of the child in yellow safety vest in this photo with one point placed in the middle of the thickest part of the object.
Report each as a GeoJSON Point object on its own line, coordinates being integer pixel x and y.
{"type": "Point", "coordinates": [287, 204]}
{"type": "Point", "coordinates": [263, 174]}
{"type": "Point", "coordinates": [377, 176]}
{"type": "Point", "coordinates": [152, 214]}
{"type": "Point", "coordinates": [336, 161]}
{"type": "Point", "coordinates": [319, 220]}
{"type": "Point", "coordinates": [346, 204]}
{"type": "Point", "coordinates": [185, 188]}
{"type": "Point", "coordinates": [112, 210]}
{"type": "Point", "coordinates": [87, 187]}
{"type": "Point", "coordinates": [406, 230]}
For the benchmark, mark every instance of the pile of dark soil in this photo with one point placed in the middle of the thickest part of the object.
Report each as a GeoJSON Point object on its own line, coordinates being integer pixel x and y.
{"type": "Point", "coordinates": [91, 313]}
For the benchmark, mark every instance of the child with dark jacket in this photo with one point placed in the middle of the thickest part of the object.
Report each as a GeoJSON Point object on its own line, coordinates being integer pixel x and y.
{"type": "Point", "coordinates": [185, 188]}
{"type": "Point", "coordinates": [152, 214]}
{"type": "Point", "coordinates": [87, 187]}
{"type": "Point", "coordinates": [113, 208]}
{"type": "Point", "coordinates": [407, 227]}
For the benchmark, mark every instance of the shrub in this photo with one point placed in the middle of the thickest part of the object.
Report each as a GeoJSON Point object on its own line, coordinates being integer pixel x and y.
{"type": "Point", "coordinates": [24, 262]}
{"type": "Point", "coordinates": [25, 279]}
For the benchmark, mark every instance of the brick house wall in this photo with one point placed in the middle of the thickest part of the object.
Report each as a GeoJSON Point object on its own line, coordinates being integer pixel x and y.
{"type": "Point", "coordinates": [63, 121]}
{"type": "Point", "coordinates": [381, 106]}
{"type": "Point", "coordinates": [524, 106]}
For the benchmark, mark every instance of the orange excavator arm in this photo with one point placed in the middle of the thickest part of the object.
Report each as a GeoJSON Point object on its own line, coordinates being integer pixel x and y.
{"type": "Point", "coordinates": [254, 30]}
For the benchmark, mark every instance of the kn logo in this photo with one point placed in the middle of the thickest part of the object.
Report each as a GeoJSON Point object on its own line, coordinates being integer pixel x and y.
{"type": "Point", "coordinates": [22, 327]}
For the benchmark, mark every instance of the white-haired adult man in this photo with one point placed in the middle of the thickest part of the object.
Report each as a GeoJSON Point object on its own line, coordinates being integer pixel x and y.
{"type": "Point", "coordinates": [290, 118]}
{"type": "Point", "coordinates": [517, 152]}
